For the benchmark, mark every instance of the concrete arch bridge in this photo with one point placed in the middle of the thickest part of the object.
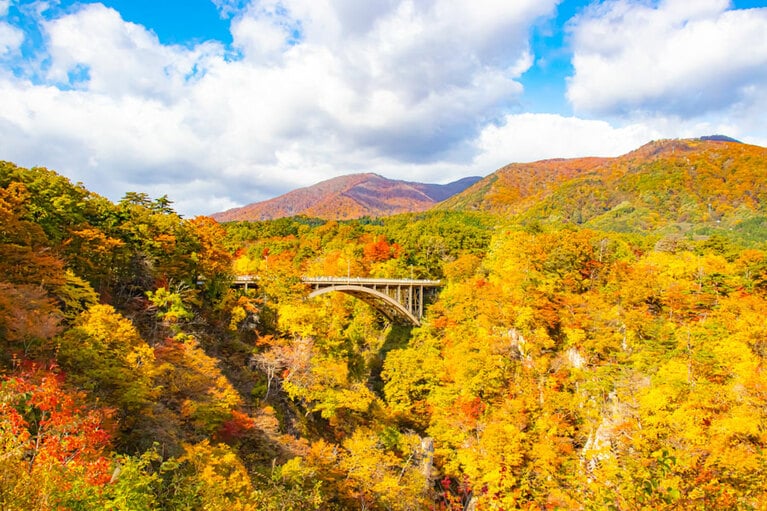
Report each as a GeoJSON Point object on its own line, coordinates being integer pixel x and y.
{"type": "Point", "coordinates": [400, 300]}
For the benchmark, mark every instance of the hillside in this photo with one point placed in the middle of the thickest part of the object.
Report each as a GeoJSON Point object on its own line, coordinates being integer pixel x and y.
{"type": "Point", "coordinates": [348, 197]}
{"type": "Point", "coordinates": [679, 183]}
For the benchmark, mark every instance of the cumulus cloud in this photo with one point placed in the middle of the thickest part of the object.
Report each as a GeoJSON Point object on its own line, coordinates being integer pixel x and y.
{"type": "Point", "coordinates": [674, 57]}
{"type": "Point", "coordinates": [10, 39]}
{"type": "Point", "coordinates": [10, 36]}
{"type": "Point", "coordinates": [95, 50]}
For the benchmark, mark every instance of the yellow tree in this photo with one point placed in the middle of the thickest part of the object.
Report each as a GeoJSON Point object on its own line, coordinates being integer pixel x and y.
{"type": "Point", "coordinates": [105, 355]}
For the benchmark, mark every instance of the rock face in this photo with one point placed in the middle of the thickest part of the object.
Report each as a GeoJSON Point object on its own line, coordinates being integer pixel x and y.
{"type": "Point", "coordinates": [348, 197]}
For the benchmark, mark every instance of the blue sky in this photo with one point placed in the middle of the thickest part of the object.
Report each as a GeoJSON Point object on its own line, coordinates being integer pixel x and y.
{"type": "Point", "coordinates": [174, 21]}
{"type": "Point", "coordinates": [218, 103]}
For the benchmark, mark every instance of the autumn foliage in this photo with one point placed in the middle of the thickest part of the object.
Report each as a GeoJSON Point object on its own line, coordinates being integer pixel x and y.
{"type": "Point", "coordinates": [599, 345]}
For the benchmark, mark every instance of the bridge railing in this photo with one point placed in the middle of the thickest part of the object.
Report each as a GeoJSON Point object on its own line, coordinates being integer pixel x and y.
{"type": "Point", "coordinates": [240, 280]}
{"type": "Point", "coordinates": [366, 281]}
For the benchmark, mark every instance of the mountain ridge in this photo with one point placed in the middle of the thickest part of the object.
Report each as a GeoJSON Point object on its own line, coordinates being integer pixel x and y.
{"type": "Point", "coordinates": [679, 181]}
{"type": "Point", "coordinates": [675, 182]}
{"type": "Point", "coordinates": [350, 196]}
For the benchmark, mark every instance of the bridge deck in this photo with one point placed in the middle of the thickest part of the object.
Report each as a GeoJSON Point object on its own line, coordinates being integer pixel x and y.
{"type": "Point", "coordinates": [242, 280]}
{"type": "Point", "coordinates": [364, 281]}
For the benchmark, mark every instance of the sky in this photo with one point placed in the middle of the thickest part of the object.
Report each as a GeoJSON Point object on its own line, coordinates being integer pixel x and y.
{"type": "Point", "coordinates": [221, 103]}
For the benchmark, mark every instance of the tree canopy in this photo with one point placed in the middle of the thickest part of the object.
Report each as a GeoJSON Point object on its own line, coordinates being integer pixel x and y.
{"type": "Point", "coordinates": [577, 357]}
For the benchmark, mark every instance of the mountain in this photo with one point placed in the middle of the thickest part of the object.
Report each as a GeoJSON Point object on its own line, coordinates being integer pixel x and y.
{"type": "Point", "coordinates": [720, 138]}
{"type": "Point", "coordinates": [681, 183]}
{"type": "Point", "coordinates": [348, 197]}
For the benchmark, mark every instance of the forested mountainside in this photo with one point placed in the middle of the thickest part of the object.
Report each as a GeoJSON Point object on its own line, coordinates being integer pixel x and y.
{"type": "Point", "coordinates": [670, 184]}
{"type": "Point", "coordinates": [348, 197]}
{"type": "Point", "coordinates": [563, 366]}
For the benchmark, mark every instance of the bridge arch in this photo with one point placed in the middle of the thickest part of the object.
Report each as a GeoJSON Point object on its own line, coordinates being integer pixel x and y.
{"type": "Point", "coordinates": [400, 300]}
{"type": "Point", "coordinates": [386, 305]}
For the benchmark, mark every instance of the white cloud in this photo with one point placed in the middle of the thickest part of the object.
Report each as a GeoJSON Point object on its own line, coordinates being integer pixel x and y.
{"type": "Point", "coordinates": [10, 39]}
{"type": "Point", "coordinates": [678, 58]}
{"type": "Point", "coordinates": [228, 8]}
{"type": "Point", "coordinates": [96, 50]}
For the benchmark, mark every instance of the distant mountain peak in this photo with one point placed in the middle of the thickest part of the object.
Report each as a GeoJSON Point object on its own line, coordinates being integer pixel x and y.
{"type": "Point", "coordinates": [720, 138]}
{"type": "Point", "coordinates": [350, 196]}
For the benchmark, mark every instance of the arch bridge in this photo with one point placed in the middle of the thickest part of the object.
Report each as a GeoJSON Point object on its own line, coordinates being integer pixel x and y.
{"type": "Point", "coordinates": [400, 300]}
